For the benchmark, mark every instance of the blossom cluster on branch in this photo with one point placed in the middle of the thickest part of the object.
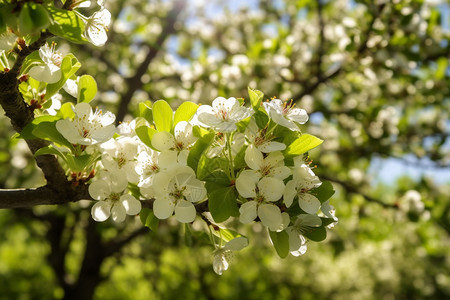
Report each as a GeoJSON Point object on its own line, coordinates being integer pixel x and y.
{"type": "Point", "coordinates": [219, 161]}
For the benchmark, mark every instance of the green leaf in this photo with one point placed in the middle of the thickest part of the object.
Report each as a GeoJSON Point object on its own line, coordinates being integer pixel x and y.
{"type": "Point", "coordinates": [69, 66]}
{"type": "Point", "coordinates": [27, 132]}
{"type": "Point", "coordinates": [162, 116]}
{"type": "Point", "coordinates": [50, 150]}
{"type": "Point", "coordinates": [207, 166]}
{"type": "Point", "coordinates": [221, 201]}
{"type": "Point", "coordinates": [78, 163]}
{"type": "Point", "coordinates": [327, 221]}
{"type": "Point", "coordinates": [148, 219]}
{"type": "Point", "coordinates": [87, 88]}
{"type": "Point", "coordinates": [225, 234]}
{"type": "Point", "coordinates": [185, 112]}
{"type": "Point", "coordinates": [280, 241]}
{"type": "Point", "coordinates": [48, 131]}
{"type": "Point", "coordinates": [145, 134]}
{"type": "Point", "coordinates": [256, 98]}
{"type": "Point", "coordinates": [442, 64]}
{"type": "Point", "coordinates": [317, 234]}
{"type": "Point", "coordinates": [145, 111]}
{"type": "Point", "coordinates": [261, 118]}
{"type": "Point", "coordinates": [324, 191]}
{"type": "Point", "coordinates": [66, 24]}
{"type": "Point", "coordinates": [66, 111]}
{"type": "Point", "coordinates": [33, 18]}
{"type": "Point", "coordinates": [302, 145]}
{"type": "Point", "coordinates": [198, 149]}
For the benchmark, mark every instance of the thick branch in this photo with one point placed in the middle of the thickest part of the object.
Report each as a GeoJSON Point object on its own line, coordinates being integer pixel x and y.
{"type": "Point", "coordinates": [45, 195]}
{"type": "Point", "coordinates": [135, 82]}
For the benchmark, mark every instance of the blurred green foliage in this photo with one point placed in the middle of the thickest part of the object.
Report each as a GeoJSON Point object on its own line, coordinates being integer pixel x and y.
{"type": "Point", "coordinates": [374, 78]}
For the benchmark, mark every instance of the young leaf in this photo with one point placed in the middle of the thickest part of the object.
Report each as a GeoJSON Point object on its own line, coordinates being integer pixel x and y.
{"type": "Point", "coordinates": [280, 241]}
{"type": "Point", "coordinates": [256, 98]}
{"type": "Point", "coordinates": [221, 202]}
{"type": "Point", "coordinates": [197, 150]}
{"type": "Point", "coordinates": [317, 234]}
{"type": "Point", "coordinates": [145, 134]}
{"type": "Point", "coordinates": [324, 191]}
{"type": "Point", "coordinates": [145, 111]}
{"type": "Point", "coordinates": [66, 24]}
{"type": "Point", "coordinates": [87, 88]}
{"type": "Point", "coordinates": [148, 219]}
{"type": "Point", "coordinates": [48, 131]}
{"type": "Point", "coordinates": [302, 145]}
{"type": "Point", "coordinates": [33, 18]}
{"type": "Point", "coordinates": [162, 116]}
{"type": "Point", "coordinates": [185, 112]}
{"type": "Point", "coordinates": [78, 163]}
{"type": "Point", "coordinates": [50, 150]}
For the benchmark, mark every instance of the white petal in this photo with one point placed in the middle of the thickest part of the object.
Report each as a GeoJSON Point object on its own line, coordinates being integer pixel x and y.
{"type": "Point", "coordinates": [45, 74]}
{"type": "Point", "coordinates": [309, 203]}
{"type": "Point", "coordinates": [290, 191]}
{"type": "Point", "coordinates": [271, 188]}
{"type": "Point", "coordinates": [195, 190]}
{"type": "Point", "coordinates": [268, 147]}
{"type": "Point", "coordinates": [237, 244]}
{"type": "Point", "coordinates": [68, 130]}
{"type": "Point", "coordinates": [163, 208]}
{"type": "Point", "coordinates": [101, 211]}
{"type": "Point", "coordinates": [281, 172]}
{"type": "Point", "coordinates": [185, 211]}
{"type": "Point", "coordinates": [246, 183]}
{"type": "Point", "coordinates": [220, 262]}
{"type": "Point", "coordinates": [99, 190]}
{"type": "Point", "coordinates": [270, 216]}
{"type": "Point", "coordinates": [253, 157]}
{"type": "Point", "coordinates": [131, 205]}
{"type": "Point", "coordinates": [83, 110]}
{"type": "Point", "coordinates": [118, 213]}
{"type": "Point", "coordinates": [104, 133]}
{"type": "Point", "coordinates": [167, 159]}
{"type": "Point", "coordinates": [163, 140]}
{"type": "Point", "coordinates": [248, 212]}
{"type": "Point", "coordinates": [298, 115]}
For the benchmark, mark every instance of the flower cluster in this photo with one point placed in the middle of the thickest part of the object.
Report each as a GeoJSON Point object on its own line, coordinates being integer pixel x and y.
{"type": "Point", "coordinates": [219, 161]}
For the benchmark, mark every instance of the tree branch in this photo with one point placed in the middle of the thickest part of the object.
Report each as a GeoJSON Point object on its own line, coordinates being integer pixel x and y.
{"type": "Point", "coordinates": [45, 195]}
{"type": "Point", "coordinates": [134, 83]}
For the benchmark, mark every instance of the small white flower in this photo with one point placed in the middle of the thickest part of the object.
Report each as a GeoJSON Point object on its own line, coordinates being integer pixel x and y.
{"type": "Point", "coordinates": [271, 166]}
{"type": "Point", "coordinates": [176, 191]}
{"type": "Point", "coordinates": [261, 140]}
{"type": "Point", "coordinates": [223, 255]}
{"type": "Point", "coordinates": [303, 180]}
{"type": "Point", "coordinates": [120, 156]}
{"type": "Point", "coordinates": [260, 194]}
{"type": "Point", "coordinates": [181, 141]}
{"type": "Point", "coordinates": [285, 114]}
{"type": "Point", "coordinates": [303, 224]}
{"type": "Point", "coordinates": [219, 144]}
{"type": "Point", "coordinates": [223, 115]}
{"type": "Point", "coordinates": [50, 71]}
{"type": "Point", "coordinates": [87, 128]}
{"type": "Point", "coordinates": [112, 200]}
{"type": "Point", "coordinates": [97, 26]}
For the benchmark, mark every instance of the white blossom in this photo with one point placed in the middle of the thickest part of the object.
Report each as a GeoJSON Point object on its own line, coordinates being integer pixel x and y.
{"type": "Point", "coordinates": [87, 128]}
{"type": "Point", "coordinates": [261, 194]}
{"type": "Point", "coordinates": [223, 115]}
{"type": "Point", "coordinates": [285, 114]}
{"type": "Point", "coordinates": [112, 199]}
{"type": "Point", "coordinates": [223, 255]}
{"type": "Point", "coordinates": [50, 70]}
{"type": "Point", "coordinates": [97, 26]}
{"type": "Point", "coordinates": [176, 191]}
{"type": "Point", "coordinates": [303, 224]}
{"type": "Point", "coordinates": [303, 180]}
{"type": "Point", "coordinates": [271, 166]}
{"type": "Point", "coordinates": [56, 104]}
{"type": "Point", "coordinates": [261, 140]}
{"type": "Point", "coordinates": [120, 156]}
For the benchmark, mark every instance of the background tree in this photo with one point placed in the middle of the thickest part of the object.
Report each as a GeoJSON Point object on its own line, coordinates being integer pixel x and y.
{"type": "Point", "coordinates": [374, 79]}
